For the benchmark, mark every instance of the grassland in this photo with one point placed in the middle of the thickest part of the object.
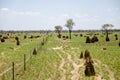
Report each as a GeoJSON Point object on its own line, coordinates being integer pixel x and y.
{"type": "Point", "coordinates": [52, 62]}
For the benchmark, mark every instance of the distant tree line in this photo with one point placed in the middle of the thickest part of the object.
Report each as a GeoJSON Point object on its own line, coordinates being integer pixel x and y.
{"type": "Point", "coordinates": [44, 31]}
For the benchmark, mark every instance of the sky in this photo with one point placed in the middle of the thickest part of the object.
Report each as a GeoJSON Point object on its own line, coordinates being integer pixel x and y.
{"type": "Point", "coordinates": [46, 14]}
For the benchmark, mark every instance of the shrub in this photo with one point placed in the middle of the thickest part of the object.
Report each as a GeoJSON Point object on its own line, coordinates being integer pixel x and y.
{"type": "Point", "coordinates": [88, 39]}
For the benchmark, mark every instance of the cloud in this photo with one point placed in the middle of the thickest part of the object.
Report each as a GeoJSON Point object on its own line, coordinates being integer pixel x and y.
{"type": "Point", "coordinates": [112, 9]}
{"type": "Point", "coordinates": [22, 13]}
{"type": "Point", "coordinates": [26, 13]}
{"type": "Point", "coordinates": [4, 9]}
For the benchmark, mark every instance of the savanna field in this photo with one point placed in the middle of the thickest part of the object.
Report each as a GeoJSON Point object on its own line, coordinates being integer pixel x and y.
{"type": "Point", "coordinates": [58, 58]}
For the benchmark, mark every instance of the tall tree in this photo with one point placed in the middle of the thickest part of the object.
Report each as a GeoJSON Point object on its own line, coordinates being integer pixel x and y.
{"type": "Point", "coordinates": [58, 29]}
{"type": "Point", "coordinates": [106, 27]}
{"type": "Point", "coordinates": [69, 24]}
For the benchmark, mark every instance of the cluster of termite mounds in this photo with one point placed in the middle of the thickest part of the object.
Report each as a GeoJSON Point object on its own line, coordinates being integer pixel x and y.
{"type": "Point", "coordinates": [91, 40]}
{"type": "Point", "coordinates": [89, 67]}
{"type": "Point", "coordinates": [64, 37]}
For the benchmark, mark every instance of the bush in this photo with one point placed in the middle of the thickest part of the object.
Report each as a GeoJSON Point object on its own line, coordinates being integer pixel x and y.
{"type": "Point", "coordinates": [88, 39]}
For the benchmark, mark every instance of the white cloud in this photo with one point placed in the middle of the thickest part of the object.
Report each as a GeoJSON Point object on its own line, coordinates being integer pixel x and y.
{"type": "Point", "coordinates": [66, 15]}
{"type": "Point", "coordinates": [14, 12]}
{"type": "Point", "coordinates": [112, 9]}
{"type": "Point", "coordinates": [4, 9]}
{"type": "Point", "coordinates": [26, 13]}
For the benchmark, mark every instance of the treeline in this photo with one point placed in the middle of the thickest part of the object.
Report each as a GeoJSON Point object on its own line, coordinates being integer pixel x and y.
{"type": "Point", "coordinates": [45, 31]}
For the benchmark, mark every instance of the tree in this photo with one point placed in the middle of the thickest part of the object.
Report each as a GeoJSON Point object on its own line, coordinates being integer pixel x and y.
{"type": "Point", "coordinates": [105, 27]}
{"type": "Point", "coordinates": [69, 24]}
{"type": "Point", "coordinates": [58, 29]}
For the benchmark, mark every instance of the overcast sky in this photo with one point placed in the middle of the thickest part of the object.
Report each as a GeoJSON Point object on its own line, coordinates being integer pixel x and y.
{"type": "Point", "coordinates": [45, 14]}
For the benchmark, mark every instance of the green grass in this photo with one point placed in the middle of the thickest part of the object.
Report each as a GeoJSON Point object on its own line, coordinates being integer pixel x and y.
{"type": "Point", "coordinates": [45, 65]}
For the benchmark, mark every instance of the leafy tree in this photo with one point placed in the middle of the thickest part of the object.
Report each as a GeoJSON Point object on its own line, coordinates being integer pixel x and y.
{"type": "Point", "coordinates": [105, 27]}
{"type": "Point", "coordinates": [69, 24]}
{"type": "Point", "coordinates": [58, 29]}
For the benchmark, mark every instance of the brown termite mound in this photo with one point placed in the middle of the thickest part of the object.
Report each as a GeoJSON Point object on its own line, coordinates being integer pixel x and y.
{"type": "Point", "coordinates": [2, 40]}
{"type": "Point", "coordinates": [81, 55]}
{"type": "Point", "coordinates": [17, 40]}
{"type": "Point", "coordinates": [34, 51]}
{"type": "Point", "coordinates": [88, 39]}
{"type": "Point", "coordinates": [87, 54]}
{"type": "Point", "coordinates": [89, 68]}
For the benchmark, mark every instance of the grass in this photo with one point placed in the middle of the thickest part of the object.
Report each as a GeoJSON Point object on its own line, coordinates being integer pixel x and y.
{"type": "Point", "coordinates": [45, 65]}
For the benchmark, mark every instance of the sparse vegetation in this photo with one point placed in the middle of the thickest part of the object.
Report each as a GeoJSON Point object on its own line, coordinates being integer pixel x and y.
{"type": "Point", "coordinates": [58, 58]}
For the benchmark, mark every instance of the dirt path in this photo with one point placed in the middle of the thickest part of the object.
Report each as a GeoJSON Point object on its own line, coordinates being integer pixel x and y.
{"type": "Point", "coordinates": [111, 74]}
{"type": "Point", "coordinates": [61, 67]}
{"type": "Point", "coordinates": [74, 72]}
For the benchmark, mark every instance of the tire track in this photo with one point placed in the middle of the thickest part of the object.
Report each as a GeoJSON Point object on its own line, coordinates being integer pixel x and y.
{"type": "Point", "coordinates": [74, 72]}
{"type": "Point", "coordinates": [111, 74]}
{"type": "Point", "coordinates": [63, 71]}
